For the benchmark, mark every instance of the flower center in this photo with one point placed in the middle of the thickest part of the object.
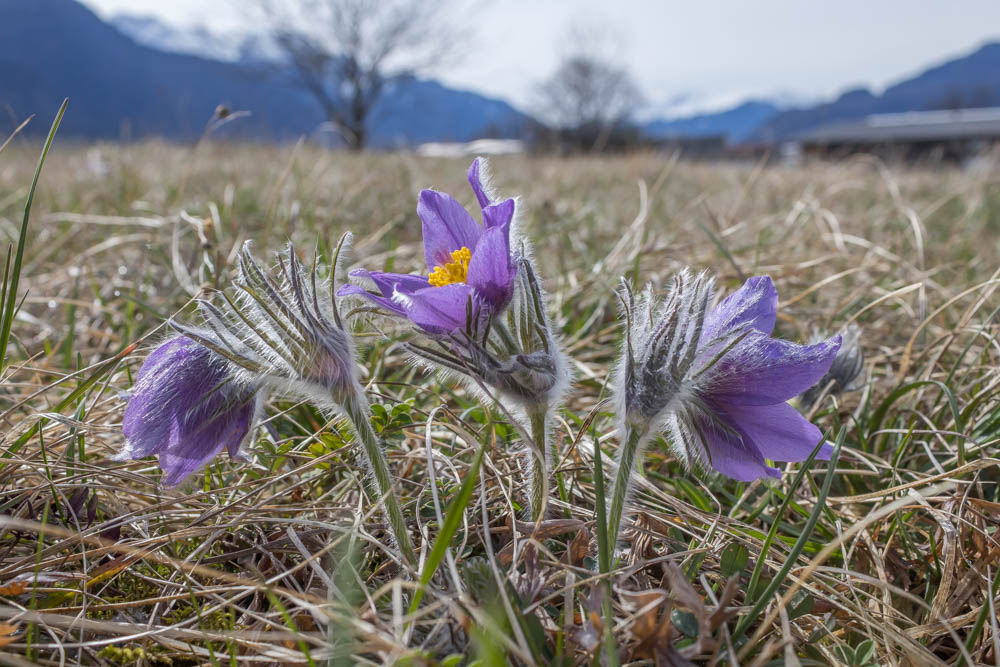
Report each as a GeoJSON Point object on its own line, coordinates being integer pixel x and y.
{"type": "Point", "coordinates": [452, 272]}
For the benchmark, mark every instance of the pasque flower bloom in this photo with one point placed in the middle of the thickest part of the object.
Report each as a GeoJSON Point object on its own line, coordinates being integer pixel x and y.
{"type": "Point", "coordinates": [473, 278]}
{"type": "Point", "coordinates": [286, 337]}
{"type": "Point", "coordinates": [715, 381]}
{"type": "Point", "coordinates": [470, 269]}
{"type": "Point", "coordinates": [186, 407]}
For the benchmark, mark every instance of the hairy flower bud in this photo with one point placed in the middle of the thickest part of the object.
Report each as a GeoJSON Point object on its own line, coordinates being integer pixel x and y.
{"type": "Point", "coordinates": [844, 371]}
{"type": "Point", "coordinates": [281, 332]}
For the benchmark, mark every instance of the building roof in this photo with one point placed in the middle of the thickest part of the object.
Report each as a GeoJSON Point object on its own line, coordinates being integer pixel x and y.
{"type": "Point", "coordinates": [909, 126]}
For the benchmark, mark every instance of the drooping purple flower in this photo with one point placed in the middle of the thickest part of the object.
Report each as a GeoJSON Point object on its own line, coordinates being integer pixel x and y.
{"type": "Point", "coordinates": [717, 382]}
{"type": "Point", "coordinates": [185, 408]}
{"type": "Point", "coordinates": [470, 269]}
{"type": "Point", "coordinates": [285, 334]}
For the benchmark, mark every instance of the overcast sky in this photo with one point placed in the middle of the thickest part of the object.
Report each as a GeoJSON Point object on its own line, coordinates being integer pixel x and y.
{"type": "Point", "coordinates": [710, 52]}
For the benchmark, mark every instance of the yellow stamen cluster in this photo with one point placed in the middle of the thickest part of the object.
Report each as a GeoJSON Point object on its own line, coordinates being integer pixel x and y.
{"type": "Point", "coordinates": [454, 271]}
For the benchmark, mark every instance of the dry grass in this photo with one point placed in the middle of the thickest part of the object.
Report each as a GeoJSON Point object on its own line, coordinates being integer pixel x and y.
{"type": "Point", "coordinates": [281, 560]}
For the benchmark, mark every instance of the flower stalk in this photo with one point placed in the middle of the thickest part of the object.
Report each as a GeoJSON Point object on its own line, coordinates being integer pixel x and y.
{"type": "Point", "coordinates": [540, 464]}
{"type": "Point", "coordinates": [356, 409]}
{"type": "Point", "coordinates": [628, 454]}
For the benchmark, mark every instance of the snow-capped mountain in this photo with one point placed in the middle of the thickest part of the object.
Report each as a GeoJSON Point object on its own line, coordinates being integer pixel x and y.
{"type": "Point", "coordinates": [227, 46]}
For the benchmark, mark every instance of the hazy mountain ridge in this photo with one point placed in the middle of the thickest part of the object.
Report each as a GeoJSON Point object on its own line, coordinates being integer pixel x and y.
{"type": "Point", "coordinates": [967, 81]}
{"type": "Point", "coordinates": [734, 124]}
{"type": "Point", "coordinates": [51, 49]}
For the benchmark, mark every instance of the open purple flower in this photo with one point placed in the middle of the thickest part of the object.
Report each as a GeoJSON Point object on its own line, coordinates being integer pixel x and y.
{"type": "Point", "coordinates": [470, 270]}
{"type": "Point", "coordinates": [715, 381]}
{"type": "Point", "coordinates": [186, 408]}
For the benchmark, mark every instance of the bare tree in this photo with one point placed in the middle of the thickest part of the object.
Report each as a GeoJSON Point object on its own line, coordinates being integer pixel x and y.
{"type": "Point", "coordinates": [589, 95]}
{"type": "Point", "coordinates": [345, 52]}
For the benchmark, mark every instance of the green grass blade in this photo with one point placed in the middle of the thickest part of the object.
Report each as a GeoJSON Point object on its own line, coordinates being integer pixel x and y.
{"type": "Point", "coordinates": [452, 520]}
{"type": "Point", "coordinates": [800, 544]}
{"type": "Point", "coordinates": [772, 533]}
{"type": "Point", "coordinates": [604, 553]}
{"type": "Point", "coordinates": [10, 294]}
{"type": "Point", "coordinates": [977, 628]}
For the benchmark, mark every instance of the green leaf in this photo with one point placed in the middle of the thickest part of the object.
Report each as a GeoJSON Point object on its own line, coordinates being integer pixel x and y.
{"type": "Point", "coordinates": [864, 654]}
{"type": "Point", "coordinates": [802, 604]}
{"type": "Point", "coordinates": [685, 622]}
{"type": "Point", "coordinates": [734, 559]}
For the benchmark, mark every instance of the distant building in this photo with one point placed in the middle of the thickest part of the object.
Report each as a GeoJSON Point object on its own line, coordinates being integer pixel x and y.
{"type": "Point", "coordinates": [703, 147]}
{"type": "Point", "coordinates": [913, 136]}
{"type": "Point", "coordinates": [471, 148]}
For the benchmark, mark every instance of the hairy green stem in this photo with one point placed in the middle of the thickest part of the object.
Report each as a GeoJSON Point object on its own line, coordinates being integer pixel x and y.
{"type": "Point", "coordinates": [626, 464]}
{"type": "Point", "coordinates": [540, 457]}
{"type": "Point", "coordinates": [356, 408]}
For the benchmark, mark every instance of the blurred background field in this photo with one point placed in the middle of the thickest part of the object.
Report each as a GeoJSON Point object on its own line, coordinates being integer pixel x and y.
{"type": "Point", "coordinates": [233, 566]}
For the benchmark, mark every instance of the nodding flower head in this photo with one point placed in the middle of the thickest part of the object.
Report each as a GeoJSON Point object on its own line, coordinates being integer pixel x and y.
{"type": "Point", "coordinates": [470, 270]}
{"type": "Point", "coordinates": [185, 407]}
{"type": "Point", "coordinates": [844, 371]}
{"type": "Point", "coordinates": [715, 380]}
{"type": "Point", "coordinates": [283, 333]}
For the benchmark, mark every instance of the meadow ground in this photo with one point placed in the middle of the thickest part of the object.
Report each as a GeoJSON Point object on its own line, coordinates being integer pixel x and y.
{"type": "Point", "coordinates": [281, 559]}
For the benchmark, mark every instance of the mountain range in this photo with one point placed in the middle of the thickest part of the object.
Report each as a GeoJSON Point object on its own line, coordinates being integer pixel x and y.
{"type": "Point", "coordinates": [972, 80]}
{"type": "Point", "coordinates": [135, 77]}
{"type": "Point", "coordinates": [51, 49]}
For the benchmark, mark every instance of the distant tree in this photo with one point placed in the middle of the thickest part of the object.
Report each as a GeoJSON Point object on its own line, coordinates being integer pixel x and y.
{"type": "Point", "coordinates": [345, 52]}
{"type": "Point", "coordinates": [589, 98]}
{"type": "Point", "coordinates": [965, 98]}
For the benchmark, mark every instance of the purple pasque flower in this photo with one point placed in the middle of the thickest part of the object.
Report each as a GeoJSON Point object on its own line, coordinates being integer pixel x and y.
{"type": "Point", "coordinates": [470, 269]}
{"type": "Point", "coordinates": [716, 381]}
{"type": "Point", "coordinates": [185, 407]}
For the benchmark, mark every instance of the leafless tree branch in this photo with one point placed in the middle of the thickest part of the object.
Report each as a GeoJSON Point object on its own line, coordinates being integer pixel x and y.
{"type": "Point", "coordinates": [344, 52]}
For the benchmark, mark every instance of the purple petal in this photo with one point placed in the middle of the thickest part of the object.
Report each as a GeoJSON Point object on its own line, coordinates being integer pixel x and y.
{"type": "Point", "coordinates": [145, 432]}
{"type": "Point", "coordinates": [498, 215]}
{"type": "Point", "coordinates": [201, 444]}
{"type": "Point", "coordinates": [439, 309]}
{"type": "Point", "coordinates": [491, 273]}
{"type": "Point", "coordinates": [779, 431]}
{"type": "Point", "coordinates": [447, 226]}
{"type": "Point", "coordinates": [387, 284]}
{"type": "Point", "coordinates": [735, 456]}
{"type": "Point", "coordinates": [177, 466]}
{"type": "Point", "coordinates": [476, 181]}
{"type": "Point", "coordinates": [755, 303]}
{"type": "Point", "coordinates": [185, 409]}
{"type": "Point", "coordinates": [764, 371]}
{"type": "Point", "coordinates": [220, 422]}
{"type": "Point", "coordinates": [383, 302]}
